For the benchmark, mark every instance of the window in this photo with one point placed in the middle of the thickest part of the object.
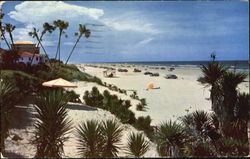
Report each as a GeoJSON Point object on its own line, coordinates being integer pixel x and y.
{"type": "Point", "coordinates": [40, 58]}
{"type": "Point", "coordinates": [29, 58]}
{"type": "Point", "coordinates": [36, 58]}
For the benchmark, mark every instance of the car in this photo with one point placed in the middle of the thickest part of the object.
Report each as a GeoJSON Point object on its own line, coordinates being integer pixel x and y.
{"type": "Point", "coordinates": [148, 73]}
{"type": "Point", "coordinates": [155, 74]}
{"type": "Point", "coordinates": [122, 70]}
{"type": "Point", "coordinates": [137, 70]}
{"type": "Point", "coordinates": [171, 76]}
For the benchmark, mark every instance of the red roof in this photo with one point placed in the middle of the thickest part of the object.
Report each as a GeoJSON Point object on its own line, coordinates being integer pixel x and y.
{"type": "Point", "coordinates": [27, 54]}
{"type": "Point", "coordinates": [2, 50]}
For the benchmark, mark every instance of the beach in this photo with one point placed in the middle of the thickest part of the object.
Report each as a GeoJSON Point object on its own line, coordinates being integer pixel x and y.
{"type": "Point", "coordinates": [175, 98]}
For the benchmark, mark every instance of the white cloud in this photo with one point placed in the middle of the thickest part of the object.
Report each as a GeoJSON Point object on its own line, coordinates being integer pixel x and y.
{"type": "Point", "coordinates": [145, 41]}
{"type": "Point", "coordinates": [40, 12]}
{"type": "Point", "coordinates": [1, 3]}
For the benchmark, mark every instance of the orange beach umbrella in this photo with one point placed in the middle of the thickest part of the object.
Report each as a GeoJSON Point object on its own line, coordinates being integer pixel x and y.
{"type": "Point", "coordinates": [150, 86]}
{"type": "Point", "coordinates": [59, 83]}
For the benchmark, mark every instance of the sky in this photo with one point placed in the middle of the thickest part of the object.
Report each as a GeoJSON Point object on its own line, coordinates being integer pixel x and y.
{"type": "Point", "coordinates": [138, 31]}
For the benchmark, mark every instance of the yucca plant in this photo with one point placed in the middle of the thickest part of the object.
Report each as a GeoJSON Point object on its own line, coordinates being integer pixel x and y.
{"type": "Point", "coordinates": [52, 123]}
{"type": "Point", "coordinates": [137, 145]}
{"type": "Point", "coordinates": [112, 133]}
{"type": "Point", "coordinates": [170, 139]}
{"type": "Point", "coordinates": [90, 139]}
{"type": "Point", "coordinates": [7, 91]}
{"type": "Point", "coordinates": [212, 73]}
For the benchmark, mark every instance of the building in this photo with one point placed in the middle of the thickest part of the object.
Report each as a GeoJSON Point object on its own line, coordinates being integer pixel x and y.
{"type": "Point", "coordinates": [26, 46]}
{"type": "Point", "coordinates": [26, 57]}
{"type": "Point", "coordinates": [26, 50]}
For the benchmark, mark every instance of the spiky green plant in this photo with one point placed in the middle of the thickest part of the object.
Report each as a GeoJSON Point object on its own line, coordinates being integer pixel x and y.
{"type": "Point", "coordinates": [137, 145]}
{"type": "Point", "coordinates": [170, 139]}
{"type": "Point", "coordinates": [52, 123]}
{"type": "Point", "coordinates": [90, 139]}
{"type": "Point", "coordinates": [211, 76]}
{"type": "Point", "coordinates": [7, 91]}
{"type": "Point", "coordinates": [112, 133]}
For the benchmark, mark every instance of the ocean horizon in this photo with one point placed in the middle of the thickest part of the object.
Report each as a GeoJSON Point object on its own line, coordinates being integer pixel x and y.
{"type": "Point", "coordinates": [239, 64]}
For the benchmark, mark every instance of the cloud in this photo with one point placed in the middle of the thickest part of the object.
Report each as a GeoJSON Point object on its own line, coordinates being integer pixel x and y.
{"type": "Point", "coordinates": [1, 3]}
{"type": "Point", "coordinates": [37, 12]}
{"type": "Point", "coordinates": [128, 21]}
{"type": "Point", "coordinates": [145, 41]}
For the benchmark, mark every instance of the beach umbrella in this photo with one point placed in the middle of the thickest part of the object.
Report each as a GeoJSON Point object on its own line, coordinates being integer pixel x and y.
{"type": "Point", "coordinates": [59, 83]}
{"type": "Point", "coordinates": [150, 86]}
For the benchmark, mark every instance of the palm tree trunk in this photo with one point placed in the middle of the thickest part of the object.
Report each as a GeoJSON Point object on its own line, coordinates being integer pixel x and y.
{"type": "Point", "coordinates": [5, 40]}
{"type": "Point", "coordinates": [59, 48]}
{"type": "Point", "coordinates": [39, 41]}
{"type": "Point", "coordinates": [58, 45]}
{"type": "Point", "coordinates": [73, 49]}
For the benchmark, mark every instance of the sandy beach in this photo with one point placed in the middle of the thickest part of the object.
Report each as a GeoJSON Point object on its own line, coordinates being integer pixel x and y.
{"type": "Point", "coordinates": [176, 97]}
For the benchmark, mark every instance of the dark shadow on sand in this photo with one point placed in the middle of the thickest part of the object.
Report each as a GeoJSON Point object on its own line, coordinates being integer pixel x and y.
{"type": "Point", "coordinates": [81, 107]}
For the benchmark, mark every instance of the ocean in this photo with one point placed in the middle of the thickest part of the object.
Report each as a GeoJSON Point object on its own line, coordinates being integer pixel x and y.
{"type": "Point", "coordinates": [238, 64]}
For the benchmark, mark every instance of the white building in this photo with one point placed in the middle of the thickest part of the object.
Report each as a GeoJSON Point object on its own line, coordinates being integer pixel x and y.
{"type": "Point", "coordinates": [26, 57]}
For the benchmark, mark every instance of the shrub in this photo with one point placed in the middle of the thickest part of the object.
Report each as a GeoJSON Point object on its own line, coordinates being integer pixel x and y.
{"type": "Point", "coordinates": [90, 139]}
{"type": "Point", "coordinates": [112, 133]}
{"type": "Point", "coordinates": [73, 96]}
{"type": "Point", "coordinates": [143, 123]}
{"type": "Point", "coordinates": [137, 145]}
{"type": "Point", "coordinates": [52, 123]}
{"type": "Point", "coordinates": [127, 103]}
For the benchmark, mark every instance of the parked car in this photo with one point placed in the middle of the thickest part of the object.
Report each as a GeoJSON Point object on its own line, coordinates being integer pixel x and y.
{"type": "Point", "coordinates": [148, 73]}
{"type": "Point", "coordinates": [122, 70]}
{"type": "Point", "coordinates": [155, 74]}
{"type": "Point", "coordinates": [137, 70]}
{"type": "Point", "coordinates": [171, 76]}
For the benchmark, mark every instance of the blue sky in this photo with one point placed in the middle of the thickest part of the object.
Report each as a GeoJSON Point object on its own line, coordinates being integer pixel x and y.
{"type": "Point", "coordinates": [139, 31]}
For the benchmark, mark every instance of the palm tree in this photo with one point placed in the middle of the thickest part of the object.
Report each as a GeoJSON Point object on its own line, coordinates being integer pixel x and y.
{"type": "Point", "coordinates": [52, 123]}
{"type": "Point", "coordinates": [62, 26]}
{"type": "Point", "coordinates": [46, 28]}
{"type": "Point", "coordinates": [112, 133]}
{"type": "Point", "coordinates": [3, 31]}
{"type": "Point", "coordinates": [229, 84]}
{"type": "Point", "coordinates": [137, 145]}
{"type": "Point", "coordinates": [82, 30]}
{"type": "Point", "coordinates": [90, 139]}
{"type": "Point", "coordinates": [10, 28]}
{"type": "Point", "coordinates": [34, 34]}
{"type": "Point", "coordinates": [212, 73]}
{"type": "Point", "coordinates": [170, 139]}
{"type": "Point", "coordinates": [7, 91]}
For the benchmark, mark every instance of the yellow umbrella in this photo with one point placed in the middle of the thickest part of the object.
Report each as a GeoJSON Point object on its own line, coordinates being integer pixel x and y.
{"type": "Point", "coordinates": [150, 86]}
{"type": "Point", "coordinates": [59, 83]}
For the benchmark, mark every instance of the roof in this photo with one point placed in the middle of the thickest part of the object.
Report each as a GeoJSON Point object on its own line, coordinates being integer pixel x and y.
{"type": "Point", "coordinates": [59, 83]}
{"type": "Point", "coordinates": [27, 54]}
{"type": "Point", "coordinates": [2, 50]}
{"type": "Point", "coordinates": [23, 42]}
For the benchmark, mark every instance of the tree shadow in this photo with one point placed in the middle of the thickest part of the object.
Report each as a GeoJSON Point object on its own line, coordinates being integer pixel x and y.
{"type": "Point", "coordinates": [21, 117]}
{"type": "Point", "coordinates": [81, 107]}
{"type": "Point", "coordinates": [10, 154]}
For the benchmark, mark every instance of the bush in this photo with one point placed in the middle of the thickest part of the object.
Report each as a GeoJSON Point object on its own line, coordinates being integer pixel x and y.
{"type": "Point", "coordinates": [127, 103]}
{"type": "Point", "coordinates": [94, 98]}
{"type": "Point", "coordinates": [143, 123]}
{"type": "Point", "coordinates": [73, 96]}
{"type": "Point", "coordinates": [140, 107]}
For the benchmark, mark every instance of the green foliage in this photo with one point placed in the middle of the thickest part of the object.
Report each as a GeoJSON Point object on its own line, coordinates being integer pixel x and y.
{"type": "Point", "coordinates": [110, 103]}
{"type": "Point", "coordinates": [170, 139]}
{"type": "Point", "coordinates": [127, 103]}
{"type": "Point", "coordinates": [52, 123]}
{"type": "Point", "coordinates": [73, 96]}
{"type": "Point", "coordinates": [144, 124]}
{"type": "Point", "coordinates": [94, 98]}
{"type": "Point", "coordinates": [99, 139]}
{"type": "Point", "coordinates": [137, 145]}
{"type": "Point", "coordinates": [112, 133]}
{"type": "Point", "coordinates": [90, 139]}
{"type": "Point", "coordinates": [7, 91]}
